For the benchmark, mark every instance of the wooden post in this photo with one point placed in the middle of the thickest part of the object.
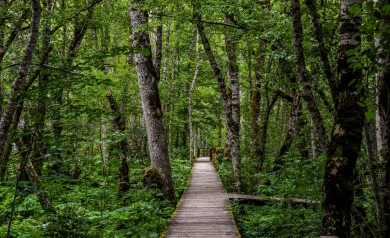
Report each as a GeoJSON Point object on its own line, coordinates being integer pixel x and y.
{"type": "Point", "coordinates": [192, 158]}
{"type": "Point", "coordinates": [198, 152]}
{"type": "Point", "coordinates": [213, 157]}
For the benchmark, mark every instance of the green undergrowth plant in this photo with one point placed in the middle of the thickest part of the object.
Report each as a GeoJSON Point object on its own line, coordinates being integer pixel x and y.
{"type": "Point", "coordinates": [90, 206]}
{"type": "Point", "coordinates": [298, 178]}
{"type": "Point", "coordinates": [276, 220]}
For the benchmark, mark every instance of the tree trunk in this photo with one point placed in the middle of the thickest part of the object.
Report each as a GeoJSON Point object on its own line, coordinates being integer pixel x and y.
{"type": "Point", "coordinates": [8, 149]}
{"type": "Point", "coordinates": [382, 86]}
{"type": "Point", "coordinates": [19, 83]}
{"type": "Point", "coordinates": [166, 56]}
{"type": "Point", "coordinates": [230, 44]}
{"type": "Point", "coordinates": [317, 28]}
{"type": "Point", "coordinates": [192, 133]}
{"type": "Point", "coordinates": [255, 105]}
{"type": "Point", "coordinates": [147, 81]}
{"type": "Point", "coordinates": [307, 93]}
{"type": "Point", "coordinates": [346, 137]}
{"type": "Point", "coordinates": [158, 55]}
{"type": "Point", "coordinates": [119, 124]}
{"type": "Point", "coordinates": [292, 126]}
{"type": "Point", "coordinates": [264, 129]}
{"type": "Point", "coordinates": [315, 147]}
{"type": "Point", "coordinates": [172, 99]}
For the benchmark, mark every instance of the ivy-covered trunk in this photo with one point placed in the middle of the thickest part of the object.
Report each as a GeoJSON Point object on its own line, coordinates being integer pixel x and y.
{"type": "Point", "coordinates": [150, 98]}
{"type": "Point", "coordinates": [346, 137]}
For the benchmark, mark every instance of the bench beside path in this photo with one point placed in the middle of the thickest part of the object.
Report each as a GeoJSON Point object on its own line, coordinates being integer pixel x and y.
{"type": "Point", "coordinates": [204, 209]}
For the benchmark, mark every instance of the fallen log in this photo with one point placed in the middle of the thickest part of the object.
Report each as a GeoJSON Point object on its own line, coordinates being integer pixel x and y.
{"type": "Point", "coordinates": [261, 201]}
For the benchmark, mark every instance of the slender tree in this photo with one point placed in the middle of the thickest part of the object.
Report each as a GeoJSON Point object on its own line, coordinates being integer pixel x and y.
{"type": "Point", "coordinates": [19, 84]}
{"type": "Point", "coordinates": [192, 87]}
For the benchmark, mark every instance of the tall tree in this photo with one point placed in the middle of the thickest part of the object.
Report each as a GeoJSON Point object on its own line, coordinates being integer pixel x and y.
{"type": "Point", "coordinates": [192, 87]}
{"type": "Point", "coordinates": [151, 106]}
{"type": "Point", "coordinates": [19, 84]}
{"type": "Point", "coordinates": [305, 79]}
{"type": "Point", "coordinates": [346, 137]}
{"type": "Point", "coordinates": [231, 44]}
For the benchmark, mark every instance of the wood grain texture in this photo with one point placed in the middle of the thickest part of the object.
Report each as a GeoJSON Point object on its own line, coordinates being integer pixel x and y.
{"type": "Point", "coordinates": [203, 210]}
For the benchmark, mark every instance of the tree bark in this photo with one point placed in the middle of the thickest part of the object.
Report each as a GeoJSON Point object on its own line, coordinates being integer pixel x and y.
{"type": "Point", "coordinates": [307, 93]}
{"type": "Point", "coordinates": [192, 133]}
{"type": "Point", "coordinates": [230, 44]}
{"type": "Point", "coordinates": [158, 55]}
{"type": "Point", "coordinates": [19, 83]}
{"type": "Point", "coordinates": [255, 105]}
{"type": "Point", "coordinates": [147, 81]}
{"type": "Point", "coordinates": [346, 137]}
{"type": "Point", "coordinates": [166, 56]}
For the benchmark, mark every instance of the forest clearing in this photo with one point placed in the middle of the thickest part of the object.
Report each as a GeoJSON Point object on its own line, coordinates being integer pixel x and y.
{"type": "Point", "coordinates": [201, 118]}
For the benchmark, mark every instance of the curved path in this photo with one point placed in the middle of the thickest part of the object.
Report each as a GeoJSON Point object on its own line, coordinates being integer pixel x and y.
{"type": "Point", "coordinates": [204, 209]}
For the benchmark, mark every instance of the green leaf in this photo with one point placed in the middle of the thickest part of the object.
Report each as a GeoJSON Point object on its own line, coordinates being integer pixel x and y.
{"type": "Point", "coordinates": [369, 115]}
{"type": "Point", "coordinates": [352, 82]}
{"type": "Point", "coordinates": [355, 9]}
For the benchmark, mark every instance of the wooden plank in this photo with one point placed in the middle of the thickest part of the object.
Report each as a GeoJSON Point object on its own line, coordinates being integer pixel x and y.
{"type": "Point", "coordinates": [203, 210]}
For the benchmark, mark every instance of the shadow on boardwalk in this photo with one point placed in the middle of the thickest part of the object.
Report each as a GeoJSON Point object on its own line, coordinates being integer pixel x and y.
{"type": "Point", "coordinates": [203, 210]}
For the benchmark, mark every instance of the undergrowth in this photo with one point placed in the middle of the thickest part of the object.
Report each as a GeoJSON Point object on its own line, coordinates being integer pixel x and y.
{"type": "Point", "coordinates": [297, 179]}
{"type": "Point", "coordinates": [90, 207]}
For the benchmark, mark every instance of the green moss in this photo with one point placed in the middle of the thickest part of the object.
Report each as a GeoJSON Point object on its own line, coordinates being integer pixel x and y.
{"type": "Point", "coordinates": [152, 177]}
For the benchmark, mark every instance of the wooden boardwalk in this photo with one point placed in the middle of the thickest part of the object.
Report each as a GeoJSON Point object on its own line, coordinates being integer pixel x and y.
{"type": "Point", "coordinates": [203, 210]}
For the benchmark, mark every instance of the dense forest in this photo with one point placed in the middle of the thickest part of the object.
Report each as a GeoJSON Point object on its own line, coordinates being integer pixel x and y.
{"type": "Point", "coordinates": [105, 105]}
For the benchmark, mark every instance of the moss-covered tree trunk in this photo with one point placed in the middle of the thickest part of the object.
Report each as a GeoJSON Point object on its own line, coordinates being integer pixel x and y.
{"type": "Point", "coordinates": [346, 137]}
{"type": "Point", "coordinates": [255, 105]}
{"type": "Point", "coordinates": [150, 98]}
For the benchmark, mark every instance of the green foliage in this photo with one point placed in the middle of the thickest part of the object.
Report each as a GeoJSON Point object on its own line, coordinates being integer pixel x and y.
{"type": "Point", "coordinates": [275, 220]}
{"type": "Point", "coordinates": [297, 179]}
{"type": "Point", "coordinates": [90, 207]}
